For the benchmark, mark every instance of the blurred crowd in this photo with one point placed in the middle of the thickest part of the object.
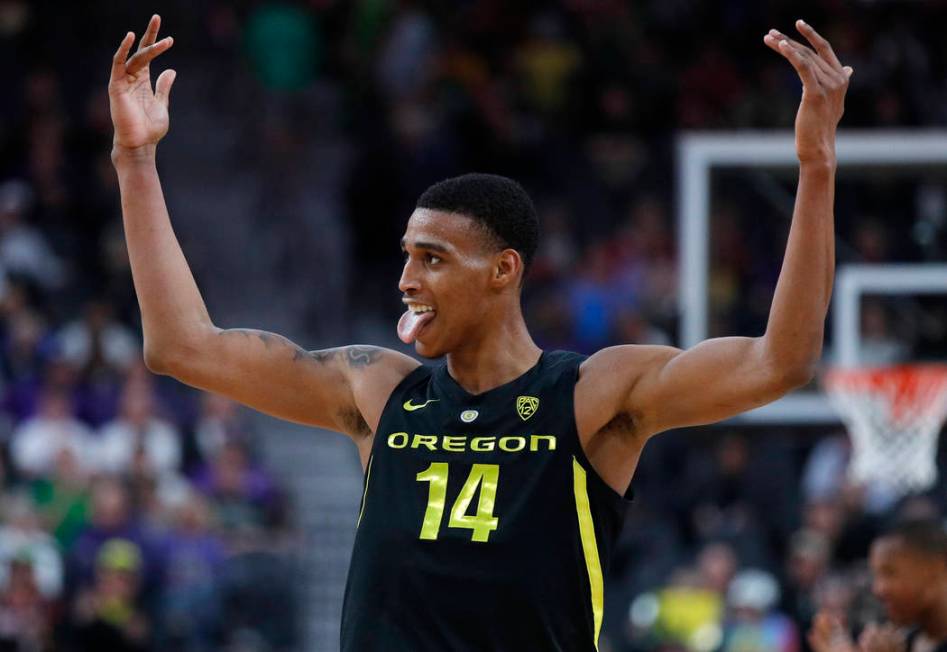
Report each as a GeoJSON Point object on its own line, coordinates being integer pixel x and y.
{"type": "Point", "coordinates": [137, 515]}
{"type": "Point", "coordinates": [761, 531]}
{"type": "Point", "coordinates": [134, 514]}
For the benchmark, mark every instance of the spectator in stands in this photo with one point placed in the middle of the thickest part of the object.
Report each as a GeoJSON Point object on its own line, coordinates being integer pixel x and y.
{"type": "Point", "coordinates": [909, 568]}
{"type": "Point", "coordinates": [835, 594]}
{"type": "Point", "coordinates": [138, 430]}
{"type": "Point", "coordinates": [689, 610]}
{"type": "Point", "coordinates": [25, 614]}
{"type": "Point", "coordinates": [38, 441]}
{"type": "Point", "coordinates": [557, 250]}
{"type": "Point", "coordinates": [591, 303]}
{"type": "Point", "coordinates": [823, 476]}
{"type": "Point", "coordinates": [97, 343]}
{"type": "Point", "coordinates": [50, 374]}
{"type": "Point", "coordinates": [107, 616]}
{"type": "Point", "coordinates": [806, 566]}
{"type": "Point", "coordinates": [24, 251]}
{"type": "Point", "coordinates": [241, 493]}
{"type": "Point", "coordinates": [62, 499]}
{"type": "Point", "coordinates": [190, 603]}
{"type": "Point", "coordinates": [23, 333]}
{"type": "Point", "coordinates": [753, 624]}
{"type": "Point", "coordinates": [220, 421]}
{"type": "Point", "coordinates": [23, 538]}
{"type": "Point", "coordinates": [112, 518]}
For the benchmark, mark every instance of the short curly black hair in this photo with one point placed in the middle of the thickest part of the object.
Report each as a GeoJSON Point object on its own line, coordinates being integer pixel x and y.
{"type": "Point", "coordinates": [924, 535]}
{"type": "Point", "coordinates": [499, 204]}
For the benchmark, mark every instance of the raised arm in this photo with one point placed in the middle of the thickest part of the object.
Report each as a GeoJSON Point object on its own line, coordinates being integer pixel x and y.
{"type": "Point", "coordinates": [340, 389]}
{"type": "Point", "coordinates": [659, 388]}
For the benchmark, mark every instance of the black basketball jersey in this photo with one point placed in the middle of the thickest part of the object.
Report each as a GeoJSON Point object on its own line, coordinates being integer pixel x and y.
{"type": "Point", "coordinates": [482, 524]}
{"type": "Point", "coordinates": [913, 636]}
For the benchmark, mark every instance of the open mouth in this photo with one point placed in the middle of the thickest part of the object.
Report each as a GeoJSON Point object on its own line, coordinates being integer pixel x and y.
{"type": "Point", "coordinates": [414, 321]}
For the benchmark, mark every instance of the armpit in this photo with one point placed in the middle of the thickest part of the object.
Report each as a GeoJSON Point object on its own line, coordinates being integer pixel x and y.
{"type": "Point", "coordinates": [353, 423]}
{"type": "Point", "coordinates": [623, 426]}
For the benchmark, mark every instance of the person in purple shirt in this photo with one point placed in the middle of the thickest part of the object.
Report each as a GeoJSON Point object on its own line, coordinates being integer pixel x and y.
{"type": "Point", "coordinates": [111, 518]}
{"type": "Point", "coordinates": [190, 603]}
{"type": "Point", "coordinates": [243, 494]}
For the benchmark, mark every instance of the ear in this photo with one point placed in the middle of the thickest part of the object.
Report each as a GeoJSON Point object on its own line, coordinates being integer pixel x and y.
{"type": "Point", "coordinates": [507, 269]}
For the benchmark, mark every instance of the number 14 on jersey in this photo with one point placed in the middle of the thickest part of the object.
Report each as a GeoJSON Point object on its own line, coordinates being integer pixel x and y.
{"type": "Point", "coordinates": [483, 477]}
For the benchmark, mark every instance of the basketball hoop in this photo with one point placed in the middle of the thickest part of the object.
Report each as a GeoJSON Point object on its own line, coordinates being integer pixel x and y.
{"type": "Point", "coordinates": [893, 415]}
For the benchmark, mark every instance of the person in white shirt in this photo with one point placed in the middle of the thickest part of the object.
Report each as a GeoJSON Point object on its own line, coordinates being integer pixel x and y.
{"type": "Point", "coordinates": [97, 333]}
{"type": "Point", "coordinates": [138, 430]}
{"type": "Point", "coordinates": [38, 441]}
{"type": "Point", "coordinates": [22, 534]}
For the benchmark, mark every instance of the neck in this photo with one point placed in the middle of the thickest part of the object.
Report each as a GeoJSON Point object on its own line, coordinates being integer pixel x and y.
{"type": "Point", "coordinates": [500, 354]}
{"type": "Point", "coordinates": [933, 622]}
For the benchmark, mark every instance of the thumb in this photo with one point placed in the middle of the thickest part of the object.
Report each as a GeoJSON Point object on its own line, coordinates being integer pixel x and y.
{"type": "Point", "coordinates": [163, 86]}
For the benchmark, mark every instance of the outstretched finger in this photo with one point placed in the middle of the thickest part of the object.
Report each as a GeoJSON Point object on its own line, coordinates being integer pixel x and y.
{"type": "Point", "coordinates": [143, 57]}
{"type": "Point", "coordinates": [163, 86]}
{"type": "Point", "coordinates": [820, 44]}
{"type": "Point", "coordinates": [820, 63]}
{"type": "Point", "coordinates": [151, 33]}
{"type": "Point", "coordinates": [118, 61]}
{"type": "Point", "coordinates": [801, 63]}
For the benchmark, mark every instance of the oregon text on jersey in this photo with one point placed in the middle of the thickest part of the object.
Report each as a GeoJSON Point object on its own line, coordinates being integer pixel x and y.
{"type": "Point", "coordinates": [478, 444]}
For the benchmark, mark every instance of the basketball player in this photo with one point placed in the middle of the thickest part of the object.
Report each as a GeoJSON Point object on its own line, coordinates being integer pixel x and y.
{"type": "Point", "coordinates": [494, 483]}
{"type": "Point", "coordinates": [909, 571]}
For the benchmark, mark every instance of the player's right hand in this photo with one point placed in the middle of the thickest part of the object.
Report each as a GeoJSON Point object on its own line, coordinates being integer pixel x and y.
{"type": "Point", "coordinates": [139, 115]}
{"type": "Point", "coordinates": [828, 634]}
{"type": "Point", "coordinates": [881, 638]}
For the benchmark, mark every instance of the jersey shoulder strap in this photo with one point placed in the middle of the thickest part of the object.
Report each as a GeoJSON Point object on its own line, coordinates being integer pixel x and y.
{"type": "Point", "coordinates": [563, 365]}
{"type": "Point", "coordinates": [416, 377]}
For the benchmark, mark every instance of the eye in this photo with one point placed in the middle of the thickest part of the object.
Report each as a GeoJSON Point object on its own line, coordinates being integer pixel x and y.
{"type": "Point", "coordinates": [432, 259]}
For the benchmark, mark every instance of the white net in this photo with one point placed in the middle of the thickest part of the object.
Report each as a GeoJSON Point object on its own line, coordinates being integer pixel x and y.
{"type": "Point", "coordinates": [893, 415]}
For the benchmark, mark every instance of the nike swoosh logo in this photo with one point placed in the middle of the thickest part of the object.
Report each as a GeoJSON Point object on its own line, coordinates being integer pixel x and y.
{"type": "Point", "coordinates": [411, 408]}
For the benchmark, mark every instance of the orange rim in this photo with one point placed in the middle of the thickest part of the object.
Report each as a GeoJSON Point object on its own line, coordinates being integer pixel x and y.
{"type": "Point", "coordinates": [911, 387]}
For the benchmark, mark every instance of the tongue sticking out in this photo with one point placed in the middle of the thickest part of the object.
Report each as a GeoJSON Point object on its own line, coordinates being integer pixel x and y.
{"type": "Point", "coordinates": [411, 323]}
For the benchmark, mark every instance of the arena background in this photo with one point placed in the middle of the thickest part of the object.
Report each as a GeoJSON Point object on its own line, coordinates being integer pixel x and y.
{"type": "Point", "coordinates": [301, 135]}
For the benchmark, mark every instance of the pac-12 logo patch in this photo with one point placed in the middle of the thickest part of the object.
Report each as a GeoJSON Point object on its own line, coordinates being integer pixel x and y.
{"type": "Point", "coordinates": [526, 406]}
{"type": "Point", "coordinates": [468, 415]}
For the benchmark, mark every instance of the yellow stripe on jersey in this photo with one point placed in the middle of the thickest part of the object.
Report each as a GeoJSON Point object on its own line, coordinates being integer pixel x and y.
{"type": "Point", "coordinates": [368, 476]}
{"type": "Point", "coordinates": [589, 545]}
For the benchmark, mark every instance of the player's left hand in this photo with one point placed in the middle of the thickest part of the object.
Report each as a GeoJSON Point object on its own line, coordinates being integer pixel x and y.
{"type": "Point", "coordinates": [824, 82]}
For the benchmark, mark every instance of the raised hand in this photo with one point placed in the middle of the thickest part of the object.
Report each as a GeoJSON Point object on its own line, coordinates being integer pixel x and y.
{"type": "Point", "coordinates": [824, 82]}
{"type": "Point", "coordinates": [140, 116]}
{"type": "Point", "coordinates": [828, 634]}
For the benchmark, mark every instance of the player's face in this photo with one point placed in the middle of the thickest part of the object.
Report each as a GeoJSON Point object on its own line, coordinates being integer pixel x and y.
{"type": "Point", "coordinates": [905, 580]}
{"type": "Point", "coordinates": [446, 281]}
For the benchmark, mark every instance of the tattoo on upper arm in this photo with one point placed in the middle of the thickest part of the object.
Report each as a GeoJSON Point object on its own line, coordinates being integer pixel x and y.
{"type": "Point", "coordinates": [362, 356]}
{"type": "Point", "coordinates": [356, 357]}
{"type": "Point", "coordinates": [269, 339]}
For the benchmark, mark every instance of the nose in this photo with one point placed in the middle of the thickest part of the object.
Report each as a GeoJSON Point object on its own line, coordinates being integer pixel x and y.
{"type": "Point", "coordinates": [879, 588]}
{"type": "Point", "coordinates": [409, 283]}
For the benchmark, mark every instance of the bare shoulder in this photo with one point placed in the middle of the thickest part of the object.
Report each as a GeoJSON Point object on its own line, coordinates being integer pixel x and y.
{"type": "Point", "coordinates": [612, 429]}
{"type": "Point", "coordinates": [627, 359]}
{"type": "Point", "coordinates": [372, 372]}
{"type": "Point", "coordinates": [608, 377]}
